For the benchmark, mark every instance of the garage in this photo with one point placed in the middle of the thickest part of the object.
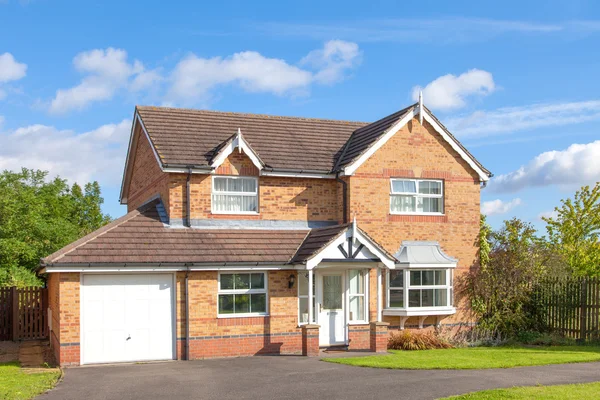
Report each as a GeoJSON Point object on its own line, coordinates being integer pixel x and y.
{"type": "Point", "coordinates": [127, 318]}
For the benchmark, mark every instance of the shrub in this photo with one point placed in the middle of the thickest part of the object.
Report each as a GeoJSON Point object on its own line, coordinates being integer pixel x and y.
{"type": "Point", "coordinates": [407, 340]}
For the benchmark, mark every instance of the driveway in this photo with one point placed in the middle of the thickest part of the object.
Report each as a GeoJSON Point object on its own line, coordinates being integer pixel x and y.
{"type": "Point", "coordinates": [295, 378]}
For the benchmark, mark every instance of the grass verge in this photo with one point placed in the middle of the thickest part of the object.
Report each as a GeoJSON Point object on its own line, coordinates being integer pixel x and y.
{"type": "Point", "coordinates": [16, 384]}
{"type": "Point", "coordinates": [475, 357]}
{"type": "Point", "coordinates": [581, 391]}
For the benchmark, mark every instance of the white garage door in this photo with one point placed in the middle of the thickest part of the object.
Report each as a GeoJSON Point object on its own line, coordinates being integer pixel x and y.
{"type": "Point", "coordinates": [127, 318]}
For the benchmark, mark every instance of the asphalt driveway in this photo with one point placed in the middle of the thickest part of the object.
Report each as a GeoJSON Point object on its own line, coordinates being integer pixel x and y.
{"type": "Point", "coordinates": [295, 378]}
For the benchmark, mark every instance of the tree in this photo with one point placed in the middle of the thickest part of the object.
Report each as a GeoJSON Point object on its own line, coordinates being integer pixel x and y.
{"type": "Point", "coordinates": [499, 288]}
{"type": "Point", "coordinates": [575, 231]}
{"type": "Point", "coordinates": [39, 216]}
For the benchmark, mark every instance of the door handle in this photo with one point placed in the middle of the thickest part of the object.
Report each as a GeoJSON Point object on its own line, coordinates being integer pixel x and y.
{"type": "Point", "coordinates": [128, 338]}
{"type": "Point", "coordinates": [320, 307]}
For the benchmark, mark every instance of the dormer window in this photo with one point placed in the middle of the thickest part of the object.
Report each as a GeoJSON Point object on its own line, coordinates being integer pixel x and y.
{"type": "Point", "coordinates": [416, 196]}
{"type": "Point", "coordinates": [234, 195]}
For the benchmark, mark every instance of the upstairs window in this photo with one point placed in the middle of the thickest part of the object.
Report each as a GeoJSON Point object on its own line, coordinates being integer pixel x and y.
{"type": "Point", "coordinates": [234, 195]}
{"type": "Point", "coordinates": [414, 196]}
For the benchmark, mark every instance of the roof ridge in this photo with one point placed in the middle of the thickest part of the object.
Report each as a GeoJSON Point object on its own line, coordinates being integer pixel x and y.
{"type": "Point", "coordinates": [158, 108]}
{"type": "Point", "coordinates": [57, 255]}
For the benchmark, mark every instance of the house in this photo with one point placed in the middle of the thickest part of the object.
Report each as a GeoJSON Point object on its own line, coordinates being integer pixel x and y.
{"type": "Point", "coordinates": [253, 234]}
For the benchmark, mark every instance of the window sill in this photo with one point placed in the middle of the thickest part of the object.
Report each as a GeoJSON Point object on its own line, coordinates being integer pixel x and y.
{"type": "Point", "coordinates": [251, 315]}
{"type": "Point", "coordinates": [234, 213]}
{"type": "Point", "coordinates": [410, 312]}
{"type": "Point", "coordinates": [419, 214]}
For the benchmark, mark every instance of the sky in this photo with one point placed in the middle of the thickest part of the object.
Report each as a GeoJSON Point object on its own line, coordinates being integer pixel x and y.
{"type": "Point", "coordinates": [516, 82]}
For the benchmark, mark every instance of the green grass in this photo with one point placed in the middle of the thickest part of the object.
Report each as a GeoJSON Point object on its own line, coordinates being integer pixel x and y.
{"type": "Point", "coordinates": [16, 384]}
{"type": "Point", "coordinates": [581, 391]}
{"type": "Point", "coordinates": [475, 357]}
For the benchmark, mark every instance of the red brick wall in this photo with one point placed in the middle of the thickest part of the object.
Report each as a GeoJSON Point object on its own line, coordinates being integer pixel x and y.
{"type": "Point", "coordinates": [418, 152]}
{"type": "Point", "coordinates": [147, 179]}
{"type": "Point", "coordinates": [359, 337]}
{"type": "Point", "coordinates": [279, 198]}
{"type": "Point", "coordinates": [224, 337]}
{"type": "Point", "coordinates": [63, 295]}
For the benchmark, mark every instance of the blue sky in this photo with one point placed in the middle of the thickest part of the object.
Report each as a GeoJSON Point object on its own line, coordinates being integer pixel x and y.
{"type": "Point", "coordinates": [517, 82]}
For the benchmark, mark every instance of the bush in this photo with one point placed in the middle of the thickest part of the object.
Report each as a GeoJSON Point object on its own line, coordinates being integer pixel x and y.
{"type": "Point", "coordinates": [407, 340]}
{"type": "Point", "coordinates": [543, 339]}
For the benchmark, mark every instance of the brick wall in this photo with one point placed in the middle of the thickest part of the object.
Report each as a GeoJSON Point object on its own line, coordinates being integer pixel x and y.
{"type": "Point", "coordinates": [147, 179]}
{"type": "Point", "coordinates": [210, 336]}
{"type": "Point", "coordinates": [279, 198]}
{"type": "Point", "coordinates": [418, 152]}
{"type": "Point", "coordinates": [68, 305]}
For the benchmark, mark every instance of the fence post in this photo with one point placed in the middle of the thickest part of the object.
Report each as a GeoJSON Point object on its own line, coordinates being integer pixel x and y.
{"type": "Point", "coordinates": [14, 298]}
{"type": "Point", "coordinates": [583, 324]}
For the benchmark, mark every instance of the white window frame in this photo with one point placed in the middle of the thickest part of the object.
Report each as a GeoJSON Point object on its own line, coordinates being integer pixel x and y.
{"type": "Point", "coordinates": [365, 295]}
{"type": "Point", "coordinates": [417, 195]}
{"type": "Point", "coordinates": [244, 291]}
{"type": "Point", "coordinates": [408, 286]}
{"type": "Point", "coordinates": [247, 194]}
{"type": "Point", "coordinates": [388, 288]}
{"type": "Point", "coordinates": [305, 296]}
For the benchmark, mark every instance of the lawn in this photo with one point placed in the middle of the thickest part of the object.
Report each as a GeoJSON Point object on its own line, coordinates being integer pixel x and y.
{"type": "Point", "coordinates": [582, 391]}
{"type": "Point", "coordinates": [475, 357]}
{"type": "Point", "coordinates": [17, 385]}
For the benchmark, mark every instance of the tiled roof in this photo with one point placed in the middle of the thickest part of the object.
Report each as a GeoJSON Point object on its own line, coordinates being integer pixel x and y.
{"type": "Point", "coordinates": [318, 239]}
{"type": "Point", "coordinates": [191, 137]}
{"type": "Point", "coordinates": [140, 237]}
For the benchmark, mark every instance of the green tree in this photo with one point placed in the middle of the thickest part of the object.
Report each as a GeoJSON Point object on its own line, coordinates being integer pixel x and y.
{"type": "Point", "coordinates": [39, 216]}
{"type": "Point", "coordinates": [499, 288]}
{"type": "Point", "coordinates": [575, 231]}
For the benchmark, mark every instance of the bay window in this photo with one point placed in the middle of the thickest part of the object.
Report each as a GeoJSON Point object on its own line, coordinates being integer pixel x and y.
{"type": "Point", "coordinates": [242, 294]}
{"type": "Point", "coordinates": [419, 289]}
{"type": "Point", "coordinates": [416, 196]}
{"type": "Point", "coordinates": [234, 195]}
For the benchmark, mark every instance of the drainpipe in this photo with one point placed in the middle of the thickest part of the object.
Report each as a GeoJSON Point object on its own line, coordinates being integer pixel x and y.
{"type": "Point", "coordinates": [188, 216]}
{"type": "Point", "coordinates": [187, 313]}
{"type": "Point", "coordinates": [345, 195]}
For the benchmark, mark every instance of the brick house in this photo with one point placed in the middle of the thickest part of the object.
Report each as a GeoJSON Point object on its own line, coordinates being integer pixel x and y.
{"type": "Point", "coordinates": [253, 234]}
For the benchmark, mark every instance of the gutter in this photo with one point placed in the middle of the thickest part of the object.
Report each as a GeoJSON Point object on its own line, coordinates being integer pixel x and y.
{"type": "Point", "coordinates": [345, 196]}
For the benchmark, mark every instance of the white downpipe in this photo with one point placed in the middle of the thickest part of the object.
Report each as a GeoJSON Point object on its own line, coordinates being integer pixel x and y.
{"type": "Point", "coordinates": [311, 318]}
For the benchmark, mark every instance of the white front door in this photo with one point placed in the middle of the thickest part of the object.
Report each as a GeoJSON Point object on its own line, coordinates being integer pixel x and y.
{"type": "Point", "coordinates": [126, 318]}
{"type": "Point", "coordinates": [331, 309]}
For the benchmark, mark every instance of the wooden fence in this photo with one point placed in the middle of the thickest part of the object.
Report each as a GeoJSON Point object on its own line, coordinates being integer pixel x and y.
{"type": "Point", "coordinates": [570, 307]}
{"type": "Point", "coordinates": [23, 314]}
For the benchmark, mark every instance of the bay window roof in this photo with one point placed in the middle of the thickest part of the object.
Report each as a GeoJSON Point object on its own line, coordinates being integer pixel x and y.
{"type": "Point", "coordinates": [423, 254]}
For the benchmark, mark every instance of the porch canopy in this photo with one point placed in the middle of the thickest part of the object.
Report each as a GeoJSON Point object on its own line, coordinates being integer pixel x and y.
{"type": "Point", "coordinates": [344, 247]}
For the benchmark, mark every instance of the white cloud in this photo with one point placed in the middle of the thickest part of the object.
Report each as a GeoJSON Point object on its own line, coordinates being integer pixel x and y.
{"type": "Point", "coordinates": [548, 214]}
{"type": "Point", "coordinates": [450, 91]}
{"type": "Point", "coordinates": [511, 119]}
{"type": "Point", "coordinates": [577, 165]}
{"type": "Point", "coordinates": [194, 77]}
{"type": "Point", "coordinates": [106, 71]}
{"type": "Point", "coordinates": [333, 60]}
{"type": "Point", "coordinates": [10, 69]}
{"type": "Point", "coordinates": [496, 207]}
{"type": "Point", "coordinates": [95, 155]}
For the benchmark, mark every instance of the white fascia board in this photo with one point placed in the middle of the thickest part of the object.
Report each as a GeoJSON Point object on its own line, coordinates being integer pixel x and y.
{"type": "Point", "coordinates": [350, 169]}
{"type": "Point", "coordinates": [240, 143]}
{"type": "Point", "coordinates": [297, 175]}
{"type": "Point", "coordinates": [177, 170]}
{"type": "Point", "coordinates": [131, 269]}
{"type": "Point", "coordinates": [482, 175]}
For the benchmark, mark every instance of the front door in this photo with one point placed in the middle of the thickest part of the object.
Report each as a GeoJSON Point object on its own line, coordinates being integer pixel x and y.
{"type": "Point", "coordinates": [331, 309]}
